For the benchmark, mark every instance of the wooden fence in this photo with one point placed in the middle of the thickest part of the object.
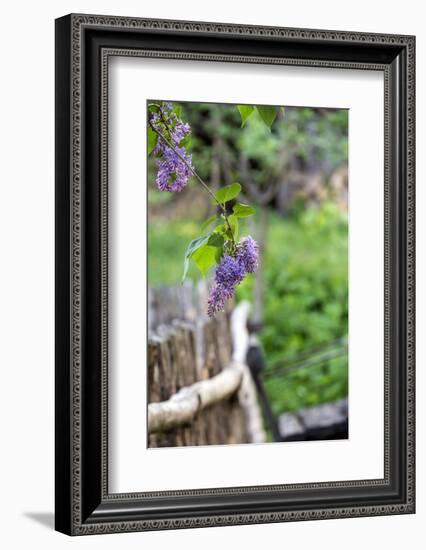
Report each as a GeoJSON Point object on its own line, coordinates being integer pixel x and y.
{"type": "Point", "coordinates": [200, 391]}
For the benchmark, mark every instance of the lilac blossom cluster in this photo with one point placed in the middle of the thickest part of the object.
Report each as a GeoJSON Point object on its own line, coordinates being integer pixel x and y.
{"type": "Point", "coordinates": [174, 165]}
{"type": "Point", "coordinates": [248, 254]}
{"type": "Point", "coordinates": [230, 272]}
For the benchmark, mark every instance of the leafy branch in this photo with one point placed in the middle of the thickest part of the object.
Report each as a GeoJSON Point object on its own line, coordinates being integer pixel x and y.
{"type": "Point", "coordinates": [168, 141]}
{"type": "Point", "coordinates": [224, 194]}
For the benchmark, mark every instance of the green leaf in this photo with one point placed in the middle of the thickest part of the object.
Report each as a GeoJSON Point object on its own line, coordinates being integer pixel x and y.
{"type": "Point", "coordinates": [221, 229]}
{"type": "Point", "coordinates": [192, 247]}
{"type": "Point", "coordinates": [267, 114]}
{"type": "Point", "coordinates": [208, 222]}
{"type": "Point", "coordinates": [283, 110]}
{"type": "Point", "coordinates": [152, 140]}
{"type": "Point", "coordinates": [153, 108]}
{"type": "Point", "coordinates": [233, 222]}
{"type": "Point", "coordinates": [218, 253]}
{"type": "Point", "coordinates": [227, 193]}
{"type": "Point", "coordinates": [215, 239]}
{"type": "Point", "coordinates": [245, 112]}
{"type": "Point", "coordinates": [205, 257]}
{"type": "Point", "coordinates": [186, 142]}
{"type": "Point", "coordinates": [243, 210]}
{"type": "Point", "coordinates": [178, 110]}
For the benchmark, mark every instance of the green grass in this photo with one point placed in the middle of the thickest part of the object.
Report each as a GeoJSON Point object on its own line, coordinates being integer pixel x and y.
{"type": "Point", "coordinates": [167, 242]}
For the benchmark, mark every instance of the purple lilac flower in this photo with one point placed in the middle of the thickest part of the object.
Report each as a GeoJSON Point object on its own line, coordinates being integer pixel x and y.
{"type": "Point", "coordinates": [216, 301]}
{"type": "Point", "coordinates": [229, 273]}
{"type": "Point", "coordinates": [179, 131]}
{"type": "Point", "coordinates": [248, 254]}
{"type": "Point", "coordinates": [173, 172]}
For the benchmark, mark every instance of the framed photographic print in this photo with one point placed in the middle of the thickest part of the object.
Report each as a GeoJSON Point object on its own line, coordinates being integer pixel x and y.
{"type": "Point", "coordinates": [234, 274]}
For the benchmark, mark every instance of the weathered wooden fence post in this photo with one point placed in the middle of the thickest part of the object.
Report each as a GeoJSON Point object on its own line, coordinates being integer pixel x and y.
{"type": "Point", "coordinates": [199, 389]}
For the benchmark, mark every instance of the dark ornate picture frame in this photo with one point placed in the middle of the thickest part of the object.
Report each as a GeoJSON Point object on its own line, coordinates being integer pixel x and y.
{"type": "Point", "coordinates": [84, 44]}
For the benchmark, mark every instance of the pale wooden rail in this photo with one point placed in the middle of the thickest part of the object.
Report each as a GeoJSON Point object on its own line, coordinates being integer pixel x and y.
{"type": "Point", "coordinates": [184, 405]}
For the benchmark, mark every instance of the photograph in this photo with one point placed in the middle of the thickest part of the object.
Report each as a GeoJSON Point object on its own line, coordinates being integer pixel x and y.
{"type": "Point", "coordinates": [247, 267]}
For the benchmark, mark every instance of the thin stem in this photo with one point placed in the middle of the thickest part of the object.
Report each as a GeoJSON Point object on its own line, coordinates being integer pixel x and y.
{"type": "Point", "coordinates": [203, 183]}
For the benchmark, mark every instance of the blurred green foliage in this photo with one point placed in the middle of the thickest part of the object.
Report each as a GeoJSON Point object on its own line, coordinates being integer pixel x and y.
{"type": "Point", "coordinates": [306, 135]}
{"type": "Point", "coordinates": [306, 303]}
{"type": "Point", "coordinates": [303, 136]}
